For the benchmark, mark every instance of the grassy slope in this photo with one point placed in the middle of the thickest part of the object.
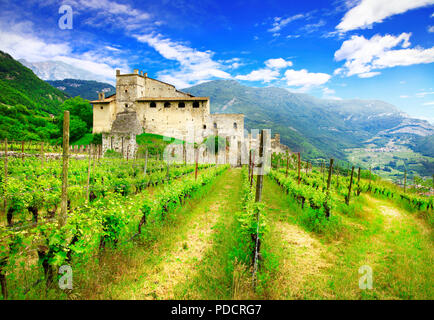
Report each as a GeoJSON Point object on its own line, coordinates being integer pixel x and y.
{"type": "Point", "coordinates": [397, 245]}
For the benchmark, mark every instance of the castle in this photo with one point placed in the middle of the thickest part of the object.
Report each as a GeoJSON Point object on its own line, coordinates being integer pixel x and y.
{"type": "Point", "coordinates": [142, 104]}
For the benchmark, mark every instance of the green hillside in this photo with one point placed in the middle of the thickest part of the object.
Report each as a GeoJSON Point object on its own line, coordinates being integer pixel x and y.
{"type": "Point", "coordinates": [31, 109]}
{"type": "Point", "coordinates": [19, 85]}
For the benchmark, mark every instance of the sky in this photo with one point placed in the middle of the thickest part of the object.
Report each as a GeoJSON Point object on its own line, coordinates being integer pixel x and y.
{"type": "Point", "coordinates": [338, 49]}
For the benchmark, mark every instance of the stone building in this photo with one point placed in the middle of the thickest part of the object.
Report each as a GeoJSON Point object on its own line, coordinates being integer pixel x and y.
{"type": "Point", "coordinates": [142, 104]}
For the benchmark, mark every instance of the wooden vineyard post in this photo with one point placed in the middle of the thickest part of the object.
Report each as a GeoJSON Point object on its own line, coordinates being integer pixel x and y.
{"type": "Point", "coordinates": [405, 180]}
{"type": "Point", "coordinates": [329, 179]}
{"type": "Point", "coordinates": [287, 163]}
{"type": "Point", "coordinates": [64, 203]}
{"type": "Point", "coordinates": [128, 151]}
{"type": "Point", "coordinates": [22, 151]}
{"type": "Point", "coordinates": [196, 160]}
{"type": "Point", "coordinates": [358, 181]}
{"type": "Point", "coordinates": [347, 200]}
{"type": "Point", "coordinates": [250, 162]}
{"type": "Point", "coordinates": [88, 175]}
{"type": "Point", "coordinates": [260, 176]}
{"type": "Point", "coordinates": [93, 156]}
{"type": "Point", "coordinates": [253, 169]}
{"type": "Point", "coordinates": [337, 177]}
{"type": "Point", "coordinates": [258, 196]}
{"type": "Point", "coordinates": [42, 154]}
{"type": "Point", "coordinates": [307, 166]}
{"type": "Point", "coordinates": [146, 161]}
{"type": "Point", "coordinates": [5, 203]}
{"type": "Point", "coordinates": [299, 164]}
{"type": "Point", "coordinates": [323, 170]}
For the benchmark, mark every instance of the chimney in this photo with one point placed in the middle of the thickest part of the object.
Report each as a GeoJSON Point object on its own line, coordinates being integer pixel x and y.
{"type": "Point", "coordinates": [141, 73]}
{"type": "Point", "coordinates": [101, 95]}
{"type": "Point", "coordinates": [118, 72]}
{"type": "Point", "coordinates": [145, 74]}
{"type": "Point", "coordinates": [136, 71]}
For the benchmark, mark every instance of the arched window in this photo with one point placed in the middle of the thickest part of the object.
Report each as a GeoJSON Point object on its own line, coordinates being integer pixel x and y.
{"type": "Point", "coordinates": [235, 125]}
{"type": "Point", "coordinates": [204, 126]}
{"type": "Point", "coordinates": [126, 90]}
{"type": "Point", "coordinates": [181, 105]}
{"type": "Point", "coordinates": [215, 125]}
{"type": "Point", "coordinates": [196, 104]}
{"type": "Point", "coordinates": [126, 105]}
{"type": "Point", "coordinates": [167, 104]}
{"type": "Point", "coordinates": [153, 104]}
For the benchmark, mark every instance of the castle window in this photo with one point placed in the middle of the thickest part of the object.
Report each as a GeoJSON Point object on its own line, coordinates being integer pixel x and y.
{"type": "Point", "coordinates": [181, 105]}
{"type": "Point", "coordinates": [102, 107]}
{"type": "Point", "coordinates": [126, 90]}
{"type": "Point", "coordinates": [153, 104]}
{"type": "Point", "coordinates": [196, 104]}
{"type": "Point", "coordinates": [126, 105]}
{"type": "Point", "coordinates": [235, 125]}
{"type": "Point", "coordinates": [167, 104]}
{"type": "Point", "coordinates": [204, 126]}
{"type": "Point", "coordinates": [215, 125]}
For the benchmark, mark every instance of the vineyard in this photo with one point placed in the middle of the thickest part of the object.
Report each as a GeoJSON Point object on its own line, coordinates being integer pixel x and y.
{"type": "Point", "coordinates": [145, 228]}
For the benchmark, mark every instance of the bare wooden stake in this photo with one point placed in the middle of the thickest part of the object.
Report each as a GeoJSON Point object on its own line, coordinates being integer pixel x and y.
{"type": "Point", "coordinates": [287, 163]}
{"type": "Point", "coordinates": [348, 198]}
{"type": "Point", "coordinates": [22, 151]}
{"type": "Point", "coordinates": [196, 160]}
{"type": "Point", "coordinates": [299, 167]}
{"type": "Point", "coordinates": [88, 175]}
{"type": "Point", "coordinates": [64, 203]}
{"type": "Point", "coordinates": [5, 202]}
{"type": "Point", "coordinates": [329, 179]}
{"type": "Point", "coordinates": [405, 180]}
{"type": "Point", "coordinates": [42, 154]}
{"type": "Point", "coordinates": [260, 176]}
{"type": "Point", "coordinates": [146, 161]}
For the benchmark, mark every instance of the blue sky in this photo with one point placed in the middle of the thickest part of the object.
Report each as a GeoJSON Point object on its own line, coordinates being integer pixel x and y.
{"type": "Point", "coordinates": [342, 49]}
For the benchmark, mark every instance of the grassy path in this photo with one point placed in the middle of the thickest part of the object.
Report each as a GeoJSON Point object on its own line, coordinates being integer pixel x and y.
{"type": "Point", "coordinates": [163, 267]}
{"type": "Point", "coordinates": [302, 258]}
{"type": "Point", "coordinates": [394, 243]}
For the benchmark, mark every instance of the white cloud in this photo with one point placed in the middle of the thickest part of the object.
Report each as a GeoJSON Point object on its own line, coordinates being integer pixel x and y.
{"type": "Point", "coordinates": [431, 103]}
{"type": "Point", "coordinates": [278, 63]}
{"type": "Point", "coordinates": [404, 97]}
{"type": "Point", "coordinates": [21, 43]}
{"type": "Point", "coordinates": [431, 29]}
{"type": "Point", "coordinates": [423, 94]}
{"type": "Point", "coordinates": [280, 23]}
{"type": "Point", "coordinates": [264, 75]}
{"type": "Point", "coordinates": [368, 12]}
{"type": "Point", "coordinates": [304, 79]}
{"type": "Point", "coordinates": [368, 74]}
{"type": "Point", "coordinates": [195, 66]}
{"type": "Point", "coordinates": [363, 56]}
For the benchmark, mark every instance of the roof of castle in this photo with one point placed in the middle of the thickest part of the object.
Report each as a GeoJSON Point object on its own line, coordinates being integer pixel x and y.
{"type": "Point", "coordinates": [127, 122]}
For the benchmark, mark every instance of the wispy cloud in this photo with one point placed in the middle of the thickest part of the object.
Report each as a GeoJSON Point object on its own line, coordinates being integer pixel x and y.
{"type": "Point", "coordinates": [194, 66]}
{"type": "Point", "coordinates": [368, 12]}
{"type": "Point", "coordinates": [280, 23]}
{"type": "Point", "coordinates": [364, 57]}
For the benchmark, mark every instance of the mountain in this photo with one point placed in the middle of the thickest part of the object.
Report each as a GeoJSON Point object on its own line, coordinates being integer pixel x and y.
{"type": "Point", "coordinates": [19, 85]}
{"type": "Point", "coordinates": [87, 89]}
{"type": "Point", "coordinates": [315, 127]}
{"type": "Point", "coordinates": [58, 70]}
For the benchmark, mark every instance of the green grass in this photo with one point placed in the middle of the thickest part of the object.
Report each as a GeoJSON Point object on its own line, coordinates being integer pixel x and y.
{"type": "Point", "coordinates": [395, 243]}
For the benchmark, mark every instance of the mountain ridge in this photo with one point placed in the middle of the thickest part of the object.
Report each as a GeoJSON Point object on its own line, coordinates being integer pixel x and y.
{"type": "Point", "coordinates": [338, 124]}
